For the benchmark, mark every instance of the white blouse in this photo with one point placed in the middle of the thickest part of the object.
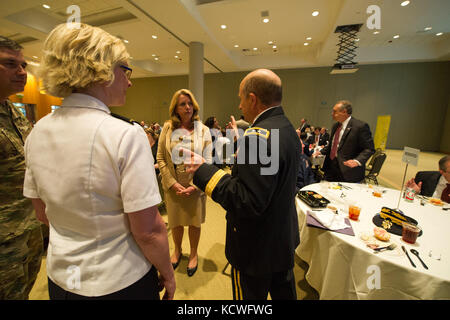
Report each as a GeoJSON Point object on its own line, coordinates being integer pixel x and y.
{"type": "Point", "coordinates": [90, 168]}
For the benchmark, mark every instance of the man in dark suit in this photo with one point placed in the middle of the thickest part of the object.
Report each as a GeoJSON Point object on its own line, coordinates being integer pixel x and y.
{"type": "Point", "coordinates": [351, 145]}
{"type": "Point", "coordinates": [315, 137]}
{"type": "Point", "coordinates": [262, 226]}
{"type": "Point", "coordinates": [434, 184]}
{"type": "Point", "coordinates": [324, 137]}
{"type": "Point", "coordinates": [303, 125]}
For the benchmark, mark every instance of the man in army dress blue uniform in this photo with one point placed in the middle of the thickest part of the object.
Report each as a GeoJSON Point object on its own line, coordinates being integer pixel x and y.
{"type": "Point", "coordinates": [259, 195]}
{"type": "Point", "coordinates": [21, 244]}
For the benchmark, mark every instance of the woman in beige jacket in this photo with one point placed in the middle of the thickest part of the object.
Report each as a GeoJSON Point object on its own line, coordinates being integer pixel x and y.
{"type": "Point", "coordinates": [186, 204]}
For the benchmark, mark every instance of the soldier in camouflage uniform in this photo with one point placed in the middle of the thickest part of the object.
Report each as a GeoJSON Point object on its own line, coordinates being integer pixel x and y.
{"type": "Point", "coordinates": [21, 244]}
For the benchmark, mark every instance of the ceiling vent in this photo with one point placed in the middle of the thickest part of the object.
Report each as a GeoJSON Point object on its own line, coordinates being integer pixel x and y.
{"type": "Point", "coordinates": [251, 52]}
{"type": "Point", "coordinates": [346, 49]}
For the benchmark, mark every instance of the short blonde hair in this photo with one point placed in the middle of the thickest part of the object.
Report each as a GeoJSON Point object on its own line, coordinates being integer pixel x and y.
{"type": "Point", "coordinates": [174, 118]}
{"type": "Point", "coordinates": [76, 58]}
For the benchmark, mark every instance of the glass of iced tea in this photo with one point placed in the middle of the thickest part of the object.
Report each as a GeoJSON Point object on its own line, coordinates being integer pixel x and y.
{"type": "Point", "coordinates": [353, 211]}
{"type": "Point", "coordinates": [410, 232]}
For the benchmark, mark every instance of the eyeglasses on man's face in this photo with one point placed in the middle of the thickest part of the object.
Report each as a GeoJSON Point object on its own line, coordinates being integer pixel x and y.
{"type": "Point", "coordinates": [127, 70]}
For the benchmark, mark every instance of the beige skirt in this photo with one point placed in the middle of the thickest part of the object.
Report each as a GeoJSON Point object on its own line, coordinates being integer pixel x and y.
{"type": "Point", "coordinates": [185, 210]}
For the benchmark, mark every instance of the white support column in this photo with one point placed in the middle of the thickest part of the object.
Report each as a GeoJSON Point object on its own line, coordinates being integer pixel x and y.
{"type": "Point", "coordinates": [196, 73]}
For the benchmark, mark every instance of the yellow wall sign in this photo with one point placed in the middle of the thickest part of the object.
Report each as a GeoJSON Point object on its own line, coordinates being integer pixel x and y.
{"type": "Point", "coordinates": [381, 132]}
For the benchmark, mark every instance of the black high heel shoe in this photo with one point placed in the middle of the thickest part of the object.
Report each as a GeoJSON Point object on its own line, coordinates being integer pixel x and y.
{"type": "Point", "coordinates": [175, 265]}
{"type": "Point", "coordinates": [191, 271]}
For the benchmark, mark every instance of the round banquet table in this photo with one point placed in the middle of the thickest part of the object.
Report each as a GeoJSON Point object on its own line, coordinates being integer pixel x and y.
{"type": "Point", "coordinates": [343, 266]}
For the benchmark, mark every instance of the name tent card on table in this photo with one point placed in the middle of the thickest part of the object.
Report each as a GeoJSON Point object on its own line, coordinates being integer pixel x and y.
{"type": "Point", "coordinates": [410, 156]}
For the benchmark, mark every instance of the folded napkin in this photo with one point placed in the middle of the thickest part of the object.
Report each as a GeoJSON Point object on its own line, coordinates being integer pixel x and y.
{"type": "Point", "coordinates": [329, 219]}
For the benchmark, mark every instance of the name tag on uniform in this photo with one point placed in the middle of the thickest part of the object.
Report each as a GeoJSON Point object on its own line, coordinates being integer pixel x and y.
{"type": "Point", "coordinates": [258, 132]}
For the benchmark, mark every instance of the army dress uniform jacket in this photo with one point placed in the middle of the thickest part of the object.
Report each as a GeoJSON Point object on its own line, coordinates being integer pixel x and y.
{"type": "Point", "coordinates": [259, 196]}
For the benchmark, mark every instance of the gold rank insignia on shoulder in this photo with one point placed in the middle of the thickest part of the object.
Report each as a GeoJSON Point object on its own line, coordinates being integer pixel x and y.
{"type": "Point", "coordinates": [130, 121]}
{"type": "Point", "coordinates": [258, 132]}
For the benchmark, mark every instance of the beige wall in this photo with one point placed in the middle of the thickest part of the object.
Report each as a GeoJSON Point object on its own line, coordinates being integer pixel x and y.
{"type": "Point", "coordinates": [445, 141]}
{"type": "Point", "coordinates": [416, 95]}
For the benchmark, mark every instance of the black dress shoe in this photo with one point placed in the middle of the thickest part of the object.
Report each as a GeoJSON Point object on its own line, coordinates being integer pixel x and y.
{"type": "Point", "coordinates": [175, 265]}
{"type": "Point", "coordinates": [190, 272]}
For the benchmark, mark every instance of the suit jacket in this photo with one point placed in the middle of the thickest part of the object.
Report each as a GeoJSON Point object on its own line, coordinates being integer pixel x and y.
{"type": "Point", "coordinates": [429, 180]}
{"type": "Point", "coordinates": [356, 143]}
{"type": "Point", "coordinates": [305, 175]}
{"type": "Point", "coordinates": [324, 138]}
{"type": "Point", "coordinates": [312, 139]}
{"type": "Point", "coordinates": [262, 225]}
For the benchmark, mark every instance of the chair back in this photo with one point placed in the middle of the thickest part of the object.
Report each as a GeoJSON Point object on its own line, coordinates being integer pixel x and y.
{"type": "Point", "coordinates": [377, 164]}
{"type": "Point", "coordinates": [376, 153]}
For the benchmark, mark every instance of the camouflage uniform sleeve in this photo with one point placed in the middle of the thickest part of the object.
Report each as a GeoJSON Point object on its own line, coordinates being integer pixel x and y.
{"type": "Point", "coordinates": [16, 213]}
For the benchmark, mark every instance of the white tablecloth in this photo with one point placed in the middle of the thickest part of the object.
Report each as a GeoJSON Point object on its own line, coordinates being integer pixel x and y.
{"type": "Point", "coordinates": [343, 267]}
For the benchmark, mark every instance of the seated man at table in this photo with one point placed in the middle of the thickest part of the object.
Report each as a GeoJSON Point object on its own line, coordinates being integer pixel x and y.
{"type": "Point", "coordinates": [434, 184]}
{"type": "Point", "coordinates": [315, 138]}
{"type": "Point", "coordinates": [305, 144]}
{"type": "Point", "coordinates": [305, 175]}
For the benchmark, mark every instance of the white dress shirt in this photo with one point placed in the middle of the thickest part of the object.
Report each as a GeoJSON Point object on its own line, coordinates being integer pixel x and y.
{"type": "Point", "coordinates": [259, 115]}
{"type": "Point", "coordinates": [341, 133]}
{"type": "Point", "coordinates": [442, 184]}
{"type": "Point", "coordinates": [90, 168]}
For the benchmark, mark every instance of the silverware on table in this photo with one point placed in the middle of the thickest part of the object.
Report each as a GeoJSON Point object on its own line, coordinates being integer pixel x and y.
{"type": "Point", "coordinates": [406, 252]}
{"type": "Point", "coordinates": [392, 246]}
{"type": "Point", "coordinates": [415, 252]}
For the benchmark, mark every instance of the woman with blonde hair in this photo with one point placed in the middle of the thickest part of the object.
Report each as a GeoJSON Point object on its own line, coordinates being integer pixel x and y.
{"type": "Point", "coordinates": [185, 203]}
{"type": "Point", "coordinates": [91, 178]}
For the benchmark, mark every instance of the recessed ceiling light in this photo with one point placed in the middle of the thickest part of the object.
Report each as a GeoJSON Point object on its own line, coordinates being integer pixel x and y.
{"type": "Point", "coordinates": [154, 37]}
{"type": "Point", "coordinates": [309, 38]}
{"type": "Point", "coordinates": [46, 6]}
{"type": "Point", "coordinates": [404, 3]}
{"type": "Point", "coordinates": [376, 32]}
{"type": "Point", "coordinates": [265, 20]}
{"type": "Point", "coordinates": [396, 36]}
{"type": "Point", "coordinates": [223, 26]}
{"type": "Point", "coordinates": [236, 46]}
{"type": "Point", "coordinates": [315, 13]}
{"type": "Point", "coordinates": [428, 28]}
{"type": "Point", "coordinates": [439, 34]}
{"type": "Point", "coordinates": [254, 49]}
{"type": "Point", "coordinates": [306, 44]}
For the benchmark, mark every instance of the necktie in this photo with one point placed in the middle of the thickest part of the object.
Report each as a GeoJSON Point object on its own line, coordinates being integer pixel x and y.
{"type": "Point", "coordinates": [335, 142]}
{"type": "Point", "coordinates": [445, 197]}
